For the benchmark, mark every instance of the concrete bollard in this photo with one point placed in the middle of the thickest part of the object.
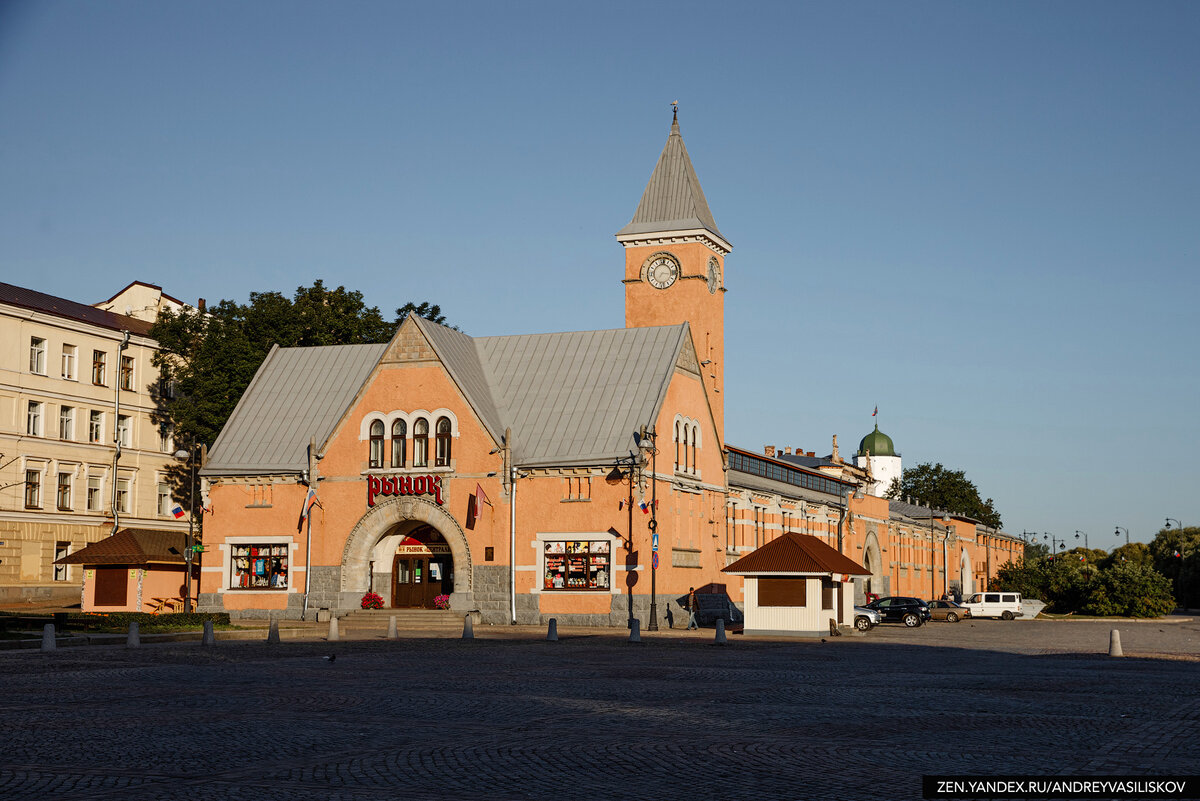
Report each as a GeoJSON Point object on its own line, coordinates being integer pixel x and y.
{"type": "Point", "coordinates": [49, 643]}
{"type": "Point", "coordinates": [392, 634]}
{"type": "Point", "coordinates": [133, 640]}
{"type": "Point", "coordinates": [468, 628]}
{"type": "Point", "coordinates": [552, 630]}
{"type": "Point", "coordinates": [273, 633]}
{"type": "Point", "coordinates": [635, 630]}
{"type": "Point", "coordinates": [333, 629]}
{"type": "Point", "coordinates": [720, 638]}
{"type": "Point", "coordinates": [208, 638]}
{"type": "Point", "coordinates": [1114, 643]}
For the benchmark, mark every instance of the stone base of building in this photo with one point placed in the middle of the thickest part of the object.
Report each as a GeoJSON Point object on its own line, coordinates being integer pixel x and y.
{"type": "Point", "coordinates": [63, 594]}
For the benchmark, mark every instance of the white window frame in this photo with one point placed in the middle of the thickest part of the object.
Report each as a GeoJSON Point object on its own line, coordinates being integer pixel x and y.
{"type": "Point", "coordinates": [99, 492]}
{"type": "Point", "coordinates": [124, 494]}
{"type": "Point", "coordinates": [124, 434]}
{"type": "Point", "coordinates": [37, 355]}
{"type": "Point", "coordinates": [70, 358]}
{"type": "Point", "coordinates": [95, 426]}
{"type": "Point", "coordinates": [34, 418]}
{"type": "Point", "coordinates": [66, 423]}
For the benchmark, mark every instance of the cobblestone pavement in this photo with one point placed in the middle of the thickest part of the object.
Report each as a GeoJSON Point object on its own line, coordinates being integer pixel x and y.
{"type": "Point", "coordinates": [510, 716]}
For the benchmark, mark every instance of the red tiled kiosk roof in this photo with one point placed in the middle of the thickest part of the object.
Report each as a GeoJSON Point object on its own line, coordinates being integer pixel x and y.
{"type": "Point", "coordinates": [132, 546]}
{"type": "Point", "coordinates": [793, 554]}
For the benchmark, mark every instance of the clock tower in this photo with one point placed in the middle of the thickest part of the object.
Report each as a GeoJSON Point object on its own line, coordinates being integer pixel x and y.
{"type": "Point", "coordinates": [675, 264]}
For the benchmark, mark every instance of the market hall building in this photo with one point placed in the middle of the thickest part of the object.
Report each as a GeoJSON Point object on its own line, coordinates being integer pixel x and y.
{"type": "Point", "coordinates": [518, 476]}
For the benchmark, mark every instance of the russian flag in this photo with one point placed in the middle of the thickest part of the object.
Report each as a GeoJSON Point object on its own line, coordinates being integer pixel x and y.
{"type": "Point", "coordinates": [177, 510]}
{"type": "Point", "coordinates": [644, 506]}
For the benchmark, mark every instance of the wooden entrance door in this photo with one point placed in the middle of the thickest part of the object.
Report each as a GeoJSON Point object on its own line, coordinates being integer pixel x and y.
{"type": "Point", "coordinates": [411, 587]}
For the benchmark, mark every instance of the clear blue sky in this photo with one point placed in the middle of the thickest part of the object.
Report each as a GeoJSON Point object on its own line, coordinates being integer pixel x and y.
{"type": "Point", "coordinates": [983, 217]}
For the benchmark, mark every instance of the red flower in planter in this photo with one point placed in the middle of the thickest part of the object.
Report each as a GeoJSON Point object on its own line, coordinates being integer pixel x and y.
{"type": "Point", "coordinates": [372, 600]}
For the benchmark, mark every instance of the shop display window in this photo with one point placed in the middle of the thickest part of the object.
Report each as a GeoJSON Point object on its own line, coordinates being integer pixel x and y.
{"type": "Point", "coordinates": [577, 565]}
{"type": "Point", "coordinates": [258, 567]}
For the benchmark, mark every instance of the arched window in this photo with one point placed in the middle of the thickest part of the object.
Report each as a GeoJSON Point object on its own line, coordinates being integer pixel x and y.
{"type": "Point", "coordinates": [685, 447]}
{"type": "Point", "coordinates": [376, 444]}
{"type": "Point", "coordinates": [399, 432]}
{"type": "Point", "coordinates": [443, 442]}
{"type": "Point", "coordinates": [421, 443]}
{"type": "Point", "coordinates": [695, 438]}
{"type": "Point", "coordinates": [676, 446]}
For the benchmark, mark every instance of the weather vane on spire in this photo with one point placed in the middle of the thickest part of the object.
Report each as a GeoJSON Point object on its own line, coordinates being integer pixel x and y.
{"type": "Point", "coordinates": [674, 111]}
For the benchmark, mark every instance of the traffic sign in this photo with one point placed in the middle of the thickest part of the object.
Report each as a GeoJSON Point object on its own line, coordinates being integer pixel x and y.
{"type": "Point", "coordinates": [654, 542]}
{"type": "Point", "coordinates": [654, 563]}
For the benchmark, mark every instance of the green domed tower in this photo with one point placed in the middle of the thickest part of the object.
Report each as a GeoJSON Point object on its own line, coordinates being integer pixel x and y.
{"type": "Point", "coordinates": [877, 454]}
{"type": "Point", "coordinates": [876, 443]}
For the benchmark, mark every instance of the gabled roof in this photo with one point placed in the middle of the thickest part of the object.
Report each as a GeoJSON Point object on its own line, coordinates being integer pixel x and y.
{"type": "Point", "coordinates": [296, 394]}
{"type": "Point", "coordinates": [61, 307]}
{"type": "Point", "coordinates": [569, 398]}
{"type": "Point", "coordinates": [792, 554]}
{"type": "Point", "coordinates": [132, 546]}
{"type": "Point", "coordinates": [673, 200]}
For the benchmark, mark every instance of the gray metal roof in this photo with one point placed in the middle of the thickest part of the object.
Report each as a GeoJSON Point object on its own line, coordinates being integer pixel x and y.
{"type": "Point", "coordinates": [460, 354]}
{"type": "Point", "coordinates": [570, 398]}
{"type": "Point", "coordinates": [297, 393]}
{"type": "Point", "coordinates": [578, 397]}
{"type": "Point", "coordinates": [748, 481]}
{"type": "Point", "coordinates": [673, 200]}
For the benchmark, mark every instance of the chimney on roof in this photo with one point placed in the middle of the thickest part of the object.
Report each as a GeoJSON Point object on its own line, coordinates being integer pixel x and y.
{"type": "Point", "coordinates": [787, 450]}
{"type": "Point", "coordinates": [810, 453]}
{"type": "Point", "coordinates": [769, 450]}
{"type": "Point", "coordinates": [836, 456]}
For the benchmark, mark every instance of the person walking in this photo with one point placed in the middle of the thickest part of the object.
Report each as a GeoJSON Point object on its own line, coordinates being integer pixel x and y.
{"type": "Point", "coordinates": [692, 624]}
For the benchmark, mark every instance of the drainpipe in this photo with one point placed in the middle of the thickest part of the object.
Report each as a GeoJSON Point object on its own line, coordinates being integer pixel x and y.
{"type": "Point", "coordinates": [116, 433]}
{"type": "Point", "coordinates": [312, 480]}
{"type": "Point", "coordinates": [512, 527]}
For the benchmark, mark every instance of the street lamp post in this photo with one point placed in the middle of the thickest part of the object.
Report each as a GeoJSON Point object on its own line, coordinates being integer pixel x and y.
{"type": "Point", "coordinates": [649, 436]}
{"type": "Point", "coordinates": [187, 552]}
{"type": "Point", "coordinates": [1087, 564]}
{"type": "Point", "coordinates": [1171, 520]}
{"type": "Point", "coordinates": [1118, 533]}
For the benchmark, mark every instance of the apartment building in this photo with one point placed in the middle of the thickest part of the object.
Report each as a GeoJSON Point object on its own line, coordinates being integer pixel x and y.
{"type": "Point", "coordinates": [75, 389]}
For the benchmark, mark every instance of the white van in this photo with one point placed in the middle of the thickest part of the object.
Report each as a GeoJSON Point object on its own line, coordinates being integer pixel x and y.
{"type": "Point", "coordinates": [1006, 605]}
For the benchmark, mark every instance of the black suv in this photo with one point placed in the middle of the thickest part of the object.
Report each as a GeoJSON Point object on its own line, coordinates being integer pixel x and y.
{"type": "Point", "coordinates": [912, 612]}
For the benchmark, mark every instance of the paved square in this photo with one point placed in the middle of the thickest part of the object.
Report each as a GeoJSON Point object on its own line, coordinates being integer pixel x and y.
{"type": "Point", "coordinates": [510, 716]}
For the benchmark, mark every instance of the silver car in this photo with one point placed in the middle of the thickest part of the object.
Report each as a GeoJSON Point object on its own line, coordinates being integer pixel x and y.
{"type": "Point", "coordinates": [866, 619]}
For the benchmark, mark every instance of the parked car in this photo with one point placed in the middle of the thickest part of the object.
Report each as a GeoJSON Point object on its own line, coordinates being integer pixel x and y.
{"type": "Point", "coordinates": [948, 611]}
{"type": "Point", "coordinates": [1004, 605]}
{"type": "Point", "coordinates": [912, 612]}
{"type": "Point", "coordinates": [866, 619]}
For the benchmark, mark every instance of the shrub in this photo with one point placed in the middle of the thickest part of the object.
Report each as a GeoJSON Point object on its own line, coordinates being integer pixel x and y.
{"type": "Point", "coordinates": [1129, 589]}
{"type": "Point", "coordinates": [372, 600]}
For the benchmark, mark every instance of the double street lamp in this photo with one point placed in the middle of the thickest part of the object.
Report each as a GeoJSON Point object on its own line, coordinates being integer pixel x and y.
{"type": "Point", "coordinates": [646, 440]}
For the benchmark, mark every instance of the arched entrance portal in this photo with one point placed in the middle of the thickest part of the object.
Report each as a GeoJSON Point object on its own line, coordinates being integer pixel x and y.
{"type": "Point", "coordinates": [965, 576]}
{"type": "Point", "coordinates": [379, 547]}
{"type": "Point", "coordinates": [874, 565]}
{"type": "Point", "coordinates": [422, 569]}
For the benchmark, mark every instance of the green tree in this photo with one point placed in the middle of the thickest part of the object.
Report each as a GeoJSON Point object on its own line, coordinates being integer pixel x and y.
{"type": "Point", "coordinates": [1129, 589]}
{"type": "Point", "coordinates": [942, 488]}
{"type": "Point", "coordinates": [1176, 554]}
{"type": "Point", "coordinates": [1136, 552]}
{"type": "Point", "coordinates": [207, 359]}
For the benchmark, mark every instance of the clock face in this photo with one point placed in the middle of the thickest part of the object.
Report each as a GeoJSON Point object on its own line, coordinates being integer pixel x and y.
{"type": "Point", "coordinates": [662, 272]}
{"type": "Point", "coordinates": [714, 276]}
